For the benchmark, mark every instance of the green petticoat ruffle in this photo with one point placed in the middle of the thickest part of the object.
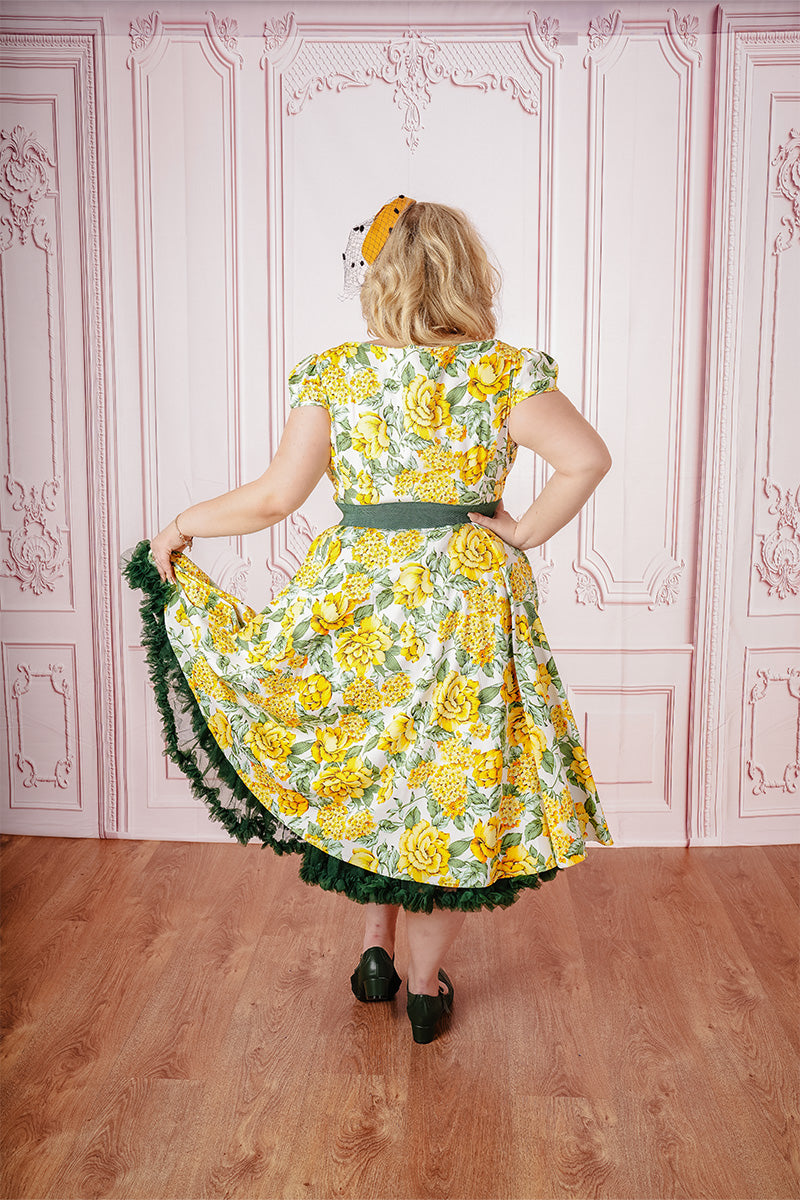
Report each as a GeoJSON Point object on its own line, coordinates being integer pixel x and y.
{"type": "Point", "coordinates": [250, 819]}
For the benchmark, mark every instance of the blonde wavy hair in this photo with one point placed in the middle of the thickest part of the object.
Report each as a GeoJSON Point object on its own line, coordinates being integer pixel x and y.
{"type": "Point", "coordinates": [432, 282]}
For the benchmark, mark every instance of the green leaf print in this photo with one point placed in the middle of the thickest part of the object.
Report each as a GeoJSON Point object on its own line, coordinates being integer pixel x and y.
{"type": "Point", "coordinates": [408, 374]}
{"type": "Point", "coordinates": [452, 369]}
{"type": "Point", "coordinates": [488, 693]}
{"type": "Point", "coordinates": [412, 818]}
{"type": "Point", "coordinates": [548, 762]}
{"type": "Point", "coordinates": [533, 830]}
{"type": "Point", "coordinates": [361, 613]}
{"type": "Point", "coordinates": [391, 385]}
{"type": "Point", "coordinates": [455, 394]}
{"type": "Point", "coordinates": [343, 442]}
{"type": "Point", "coordinates": [362, 356]}
{"type": "Point", "coordinates": [428, 361]}
{"type": "Point", "coordinates": [510, 839]}
{"type": "Point", "coordinates": [384, 598]}
{"type": "Point", "coordinates": [459, 847]}
{"type": "Point", "coordinates": [302, 628]}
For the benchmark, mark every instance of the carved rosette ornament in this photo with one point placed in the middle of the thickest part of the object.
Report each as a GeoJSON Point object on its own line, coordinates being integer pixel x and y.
{"type": "Point", "coordinates": [586, 589]}
{"type": "Point", "coordinates": [36, 554]}
{"type": "Point", "coordinates": [791, 774]}
{"type": "Point", "coordinates": [547, 29]}
{"type": "Point", "coordinates": [277, 32]}
{"type": "Point", "coordinates": [602, 29]}
{"type": "Point", "coordinates": [142, 31]}
{"type": "Point", "coordinates": [226, 29]}
{"type": "Point", "coordinates": [63, 767]}
{"type": "Point", "coordinates": [668, 591]}
{"type": "Point", "coordinates": [686, 27]}
{"type": "Point", "coordinates": [779, 568]}
{"type": "Point", "coordinates": [787, 160]}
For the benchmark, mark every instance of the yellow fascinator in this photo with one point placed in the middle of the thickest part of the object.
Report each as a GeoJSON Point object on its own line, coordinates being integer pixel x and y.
{"type": "Point", "coordinates": [365, 242]}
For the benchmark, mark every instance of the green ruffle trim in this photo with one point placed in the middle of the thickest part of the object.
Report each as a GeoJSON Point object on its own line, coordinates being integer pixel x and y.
{"type": "Point", "coordinates": [250, 819]}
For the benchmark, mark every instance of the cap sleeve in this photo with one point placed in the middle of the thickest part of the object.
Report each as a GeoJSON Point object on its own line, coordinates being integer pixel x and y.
{"type": "Point", "coordinates": [538, 373]}
{"type": "Point", "coordinates": [304, 386]}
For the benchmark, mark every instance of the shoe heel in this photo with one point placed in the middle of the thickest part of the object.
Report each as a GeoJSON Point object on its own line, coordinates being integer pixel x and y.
{"type": "Point", "coordinates": [376, 989]}
{"type": "Point", "coordinates": [423, 1034]}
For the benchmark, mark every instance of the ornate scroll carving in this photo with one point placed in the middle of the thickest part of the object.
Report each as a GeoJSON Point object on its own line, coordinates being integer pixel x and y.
{"type": "Point", "coordinates": [277, 33]}
{"type": "Point", "coordinates": [602, 29]}
{"type": "Point", "coordinates": [788, 782]}
{"type": "Point", "coordinates": [36, 556]}
{"type": "Point", "coordinates": [586, 589]}
{"type": "Point", "coordinates": [546, 29]}
{"type": "Point", "coordinates": [686, 28]}
{"type": "Point", "coordinates": [226, 29]}
{"type": "Point", "coordinates": [779, 568]}
{"type": "Point", "coordinates": [142, 30]}
{"type": "Point", "coordinates": [668, 591]}
{"type": "Point", "coordinates": [36, 552]}
{"type": "Point", "coordinates": [410, 63]}
{"type": "Point", "coordinates": [24, 179]}
{"type": "Point", "coordinates": [787, 160]}
{"type": "Point", "coordinates": [63, 767]}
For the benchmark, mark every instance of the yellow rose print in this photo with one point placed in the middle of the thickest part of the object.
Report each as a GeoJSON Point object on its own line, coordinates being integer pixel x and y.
{"type": "Point", "coordinates": [515, 861]}
{"type": "Point", "coordinates": [365, 859]}
{"type": "Point", "coordinates": [334, 612]}
{"type": "Point", "coordinates": [315, 692]}
{"type": "Point", "coordinates": [413, 586]}
{"type": "Point", "coordinates": [370, 435]}
{"type": "Point", "coordinates": [426, 409]}
{"type": "Point", "coordinates": [291, 803]}
{"type": "Point", "coordinates": [344, 781]}
{"type": "Point", "coordinates": [474, 552]}
{"type": "Point", "coordinates": [486, 842]}
{"type": "Point", "coordinates": [330, 744]}
{"type": "Point", "coordinates": [489, 769]}
{"type": "Point", "coordinates": [269, 742]}
{"type": "Point", "coordinates": [220, 726]}
{"type": "Point", "coordinates": [473, 464]}
{"type": "Point", "coordinates": [359, 649]}
{"type": "Point", "coordinates": [455, 701]}
{"type": "Point", "coordinates": [334, 549]}
{"type": "Point", "coordinates": [424, 852]}
{"type": "Point", "coordinates": [581, 768]}
{"type": "Point", "coordinates": [488, 376]}
{"type": "Point", "coordinates": [386, 788]}
{"type": "Point", "coordinates": [398, 734]}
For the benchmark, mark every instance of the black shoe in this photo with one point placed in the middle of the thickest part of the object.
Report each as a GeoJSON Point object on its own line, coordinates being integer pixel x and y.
{"type": "Point", "coordinates": [424, 1012]}
{"type": "Point", "coordinates": [375, 977]}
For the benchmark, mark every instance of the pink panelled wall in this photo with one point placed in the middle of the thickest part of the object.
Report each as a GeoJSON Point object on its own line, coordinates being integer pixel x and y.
{"type": "Point", "coordinates": [176, 186]}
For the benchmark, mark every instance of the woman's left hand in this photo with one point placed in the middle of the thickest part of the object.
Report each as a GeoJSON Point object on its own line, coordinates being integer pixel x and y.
{"type": "Point", "coordinates": [164, 546]}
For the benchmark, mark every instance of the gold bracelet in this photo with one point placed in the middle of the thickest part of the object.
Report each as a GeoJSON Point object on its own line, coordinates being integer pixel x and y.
{"type": "Point", "coordinates": [187, 541]}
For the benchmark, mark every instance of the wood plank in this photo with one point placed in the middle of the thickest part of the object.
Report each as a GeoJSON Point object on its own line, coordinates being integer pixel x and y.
{"type": "Point", "coordinates": [181, 1025]}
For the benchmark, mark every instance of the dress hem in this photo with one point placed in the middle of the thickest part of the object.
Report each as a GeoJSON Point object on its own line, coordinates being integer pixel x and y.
{"type": "Point", "coordinates": [252, 820]}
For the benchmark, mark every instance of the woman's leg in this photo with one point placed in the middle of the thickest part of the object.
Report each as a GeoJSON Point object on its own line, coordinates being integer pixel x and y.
{"type": "Point", "coordinates": [430, 936]}
{"type": "Point", "coordinates": [379, 930]}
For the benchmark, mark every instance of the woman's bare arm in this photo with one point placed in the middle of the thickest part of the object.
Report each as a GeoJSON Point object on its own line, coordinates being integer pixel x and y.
{"type": "Point", "coordinates": [551, 426]}
{"type": "Point", "coordinates": [300, 462]}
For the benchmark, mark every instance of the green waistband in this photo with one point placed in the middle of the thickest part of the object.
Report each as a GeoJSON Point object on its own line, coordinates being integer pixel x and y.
{"type": "Point", "coordinates": [411, 514]}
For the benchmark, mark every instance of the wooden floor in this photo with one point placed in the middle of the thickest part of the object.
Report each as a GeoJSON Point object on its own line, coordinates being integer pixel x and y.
{"type": "Point", "coordinates": [179, 1023]}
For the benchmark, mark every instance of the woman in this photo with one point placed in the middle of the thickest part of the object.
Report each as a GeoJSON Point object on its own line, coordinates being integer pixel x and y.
{"type": "Point", "coordinates": [395, 715]}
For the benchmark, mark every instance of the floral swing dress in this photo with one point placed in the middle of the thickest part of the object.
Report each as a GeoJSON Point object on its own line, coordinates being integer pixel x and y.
{"type": "Point", "coordinates": [395, 715]}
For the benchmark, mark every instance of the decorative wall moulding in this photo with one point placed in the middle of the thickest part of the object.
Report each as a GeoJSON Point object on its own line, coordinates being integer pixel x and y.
{"type": "Point", "coordinates": [36, 556]}
{"type": "Point", "coordinates": [147, 34]}
{"type": "Point", "coordinates": [33, 774]}
{"type": "Point", "coordinates": [612, 38]}
{"type": "Point", "coordinates": [788, 780]}
{"type": "Point", "coordinates": [497, 57]}
{"type": "Point", "coordinates": [787, 160]}
{"type": "Point", "coordinates": [779, 568]}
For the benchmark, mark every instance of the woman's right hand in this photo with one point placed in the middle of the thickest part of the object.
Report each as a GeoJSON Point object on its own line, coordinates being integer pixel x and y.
{"type": "Point", "coordinates": [502, 523]}
{"type": "Point", "coordinates": [164, 545]}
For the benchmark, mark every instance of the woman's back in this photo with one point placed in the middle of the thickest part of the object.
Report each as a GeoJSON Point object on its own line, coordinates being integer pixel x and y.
{"type": "Point", "coordinates": [421, 423]}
